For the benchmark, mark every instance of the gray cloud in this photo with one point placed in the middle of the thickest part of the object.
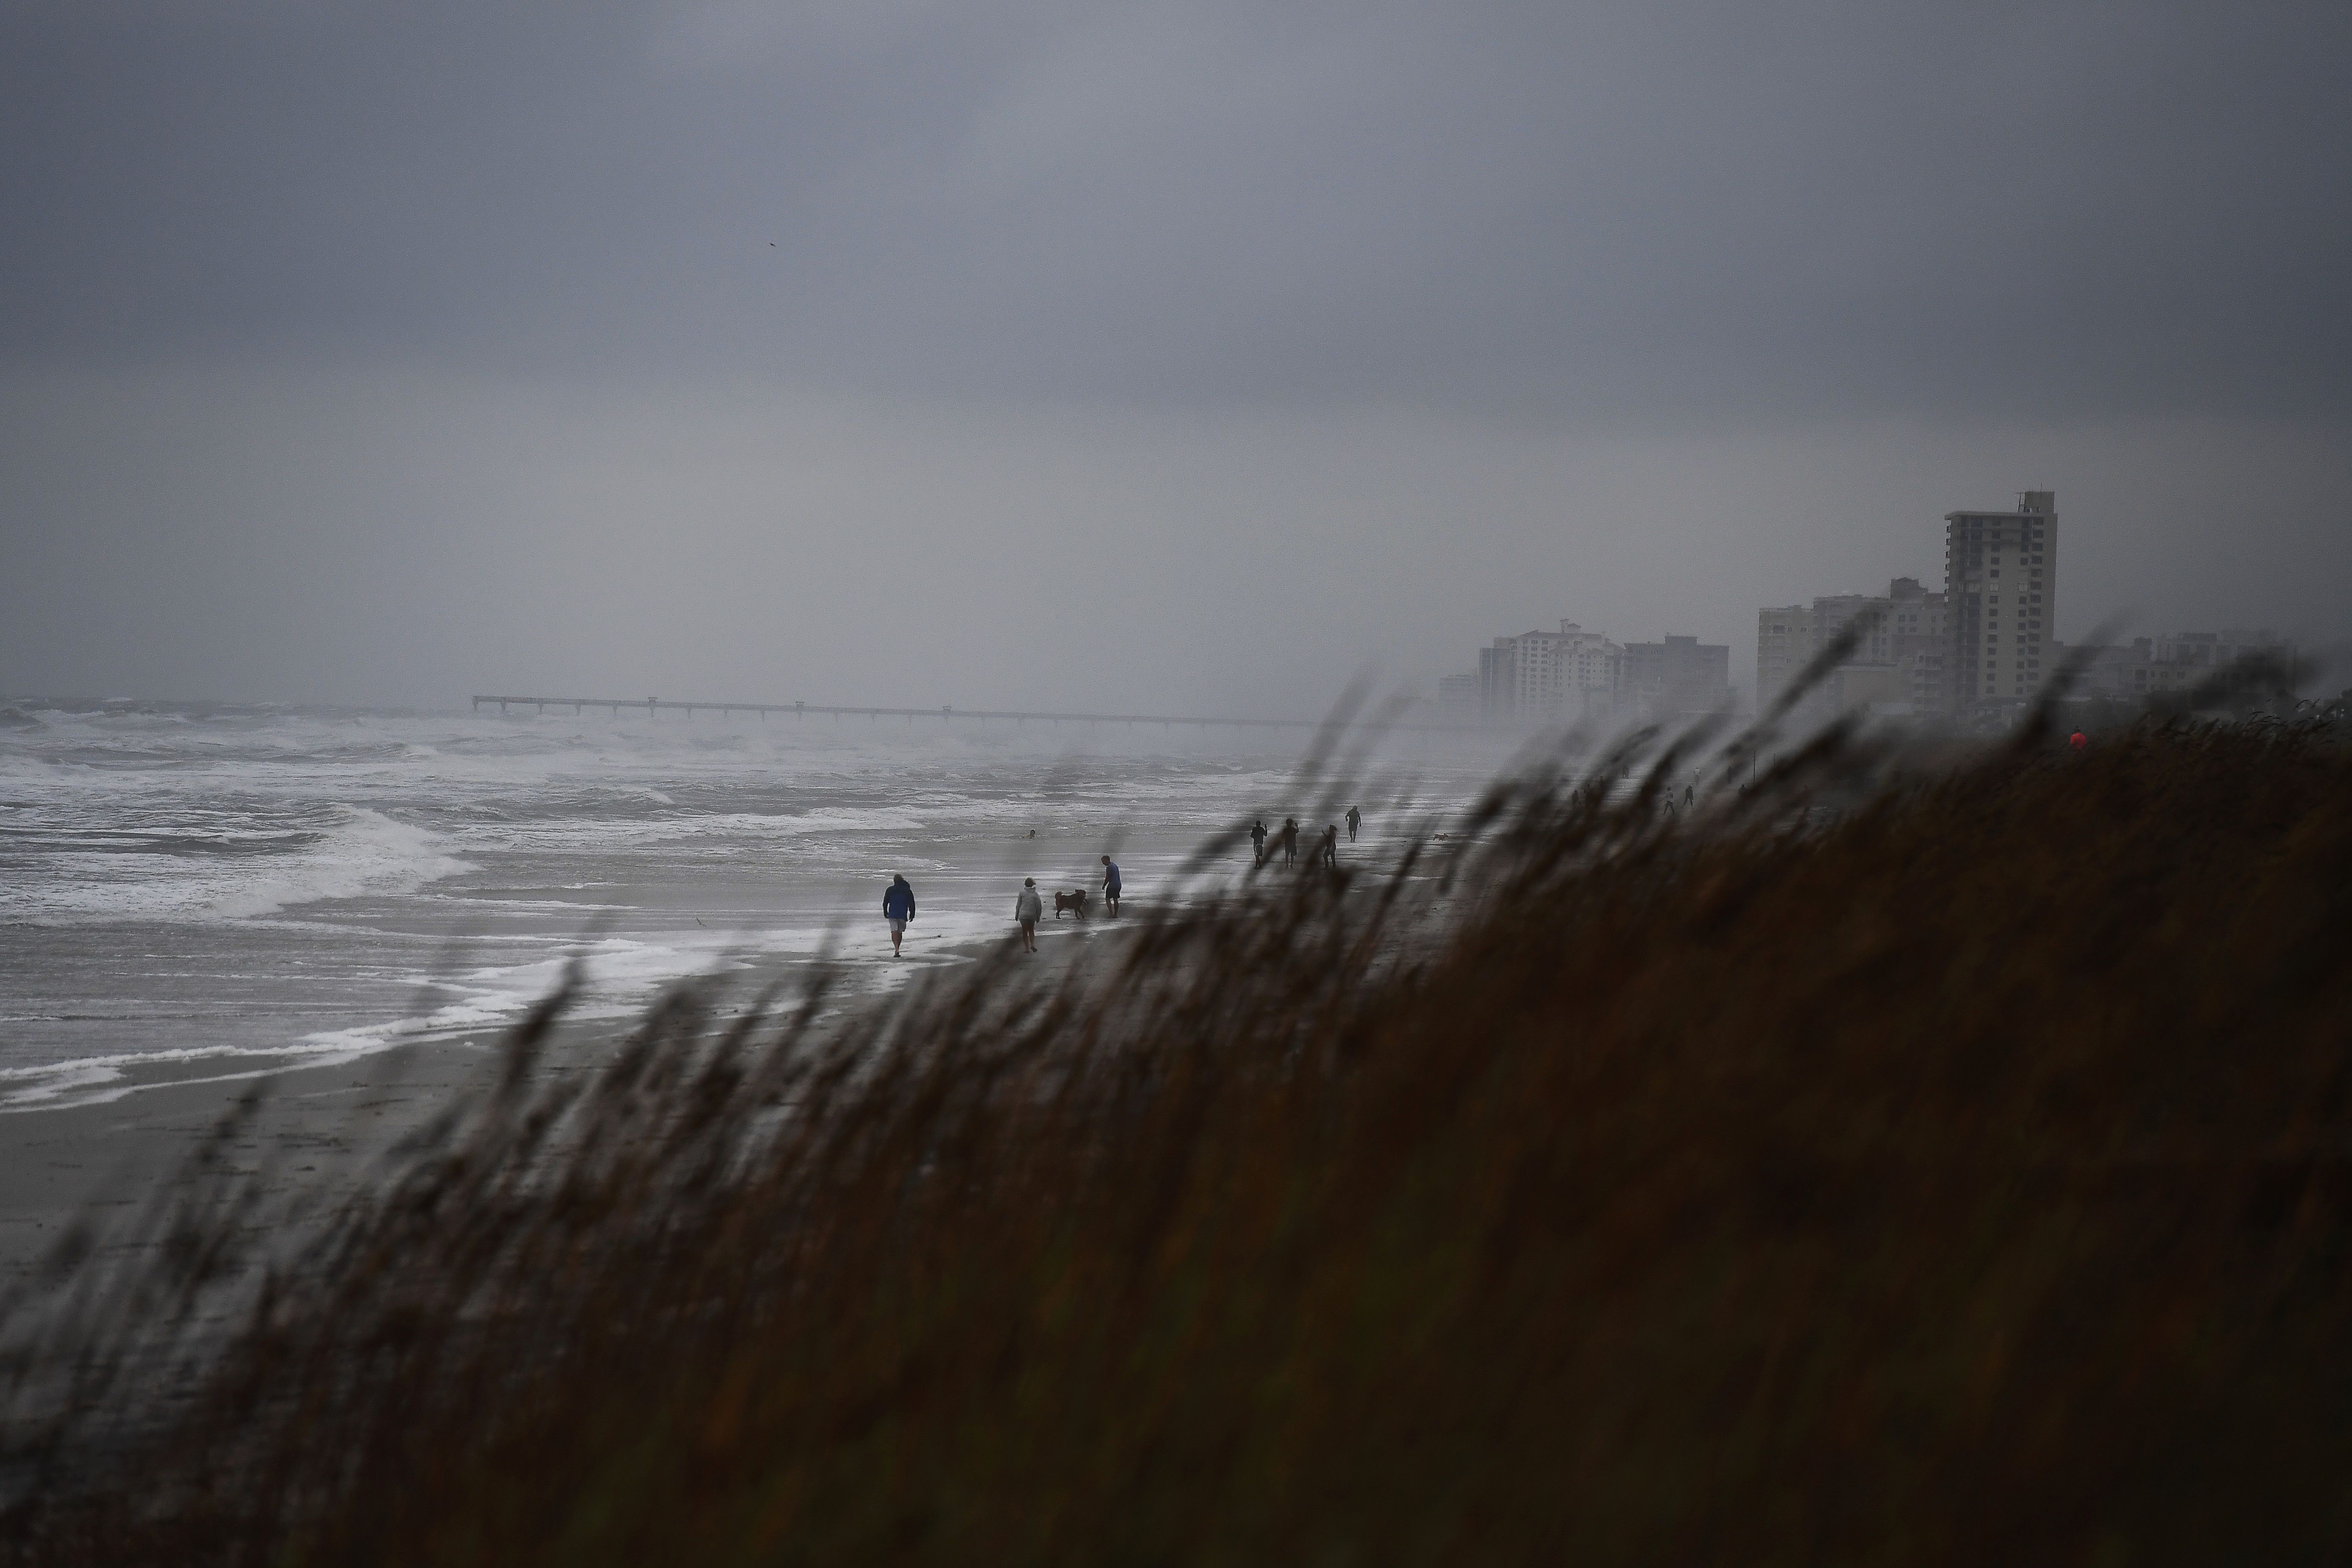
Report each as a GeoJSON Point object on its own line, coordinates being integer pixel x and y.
{"type": "Point", "coordinates": [1626, 210]}
{"type": "Point", "coordinates": [1187, 355]}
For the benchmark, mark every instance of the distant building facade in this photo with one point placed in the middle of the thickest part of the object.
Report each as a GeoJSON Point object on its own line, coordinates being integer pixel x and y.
{"type": "Point", "coordinates": [1921, 642]}
{"type": "Point", "coordinates": [2178, 662]}
{"type": "Point", "coordinates": [1678, 676]}
{"type": "Point", "coordinates": [1784, 645]}
{"type": "Point", "coordinates": [1570, 673]}
{"type": "Point", "coordinates": [1984, 641]}
{"type": "Point", "coordinates": [1982, 645]}
{"type": "Point", "coordinates": [2001, 590]}
{"type": "Point", "coordinates": [1457, 696]}
{"type": "Point", "coordinates": [2210, 651]}
{"type": "Point", "coordinates": [1497, 670]}
{"type": "Point", "coordinates": [1897, 662]}
{"type": "Point", "coordinates": [1543, 677]}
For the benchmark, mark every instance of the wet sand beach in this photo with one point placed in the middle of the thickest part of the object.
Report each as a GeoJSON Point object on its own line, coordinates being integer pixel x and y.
{"type": "Point", "coordinates": [318, 1131]}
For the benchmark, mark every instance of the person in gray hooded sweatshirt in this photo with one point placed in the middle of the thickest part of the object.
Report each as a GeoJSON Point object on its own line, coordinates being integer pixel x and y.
{"type": "Point", "coordinates": [1027, 909]}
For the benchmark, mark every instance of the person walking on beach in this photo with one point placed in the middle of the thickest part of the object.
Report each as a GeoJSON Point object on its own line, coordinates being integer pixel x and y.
{"type": "Point", "coordinates": [1028, 909]}
{"type": "Point", "coordinates": [1257, 841]}
{"type": "Point", "coordinates": [1355, 820]}
{"type": "Point", "coordinates": [897, 908]}
{"type": "Point", "coordinates": [1111, 886]}
{"type": "Point", "coordinates": [1290, 842]}
{"type": "Point", "coordinates": [1331, 847]}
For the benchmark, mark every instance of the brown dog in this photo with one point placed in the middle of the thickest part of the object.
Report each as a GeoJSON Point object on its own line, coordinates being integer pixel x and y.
{"type": "Point", "coordinates": [1077, 900]}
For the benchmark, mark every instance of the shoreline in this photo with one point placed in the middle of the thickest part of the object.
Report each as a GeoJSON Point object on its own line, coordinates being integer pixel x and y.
{"type": "Point", "coordinates": [46, 1088]}
{"type": "Point", "coordinates": [328, 1125]}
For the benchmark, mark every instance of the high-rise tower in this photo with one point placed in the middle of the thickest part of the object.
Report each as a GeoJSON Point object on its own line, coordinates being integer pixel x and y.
{"type": "Point", "coordinates": [2001, 593]}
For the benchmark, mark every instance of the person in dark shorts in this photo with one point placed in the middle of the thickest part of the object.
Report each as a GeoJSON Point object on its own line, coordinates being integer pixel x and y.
{"type": "Point", "coordinates": [1290, 841]}
{"type": "Point", "coordinates": [1355, 820]}
{"type": "Point", "coordinates": [1331, 847]}
{"type": "Point", "coordinates": [1257, 841]}
{"type": "Point", "coordinates": [1028, 909]}
{"type": "Point", "coordinates": [1111, 886]}
{"type": "Point", "coordinates": [897, 908]}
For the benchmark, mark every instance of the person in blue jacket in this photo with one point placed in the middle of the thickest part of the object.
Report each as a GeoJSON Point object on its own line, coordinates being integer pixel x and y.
{"type": "Point", "coordinates": [897, 908]}
{"type": "Point", "coordinates": [1111, 886]}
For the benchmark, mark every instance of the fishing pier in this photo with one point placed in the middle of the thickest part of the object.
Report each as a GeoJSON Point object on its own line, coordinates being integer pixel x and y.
{"type": "Point", "coordinates": [654, 706]}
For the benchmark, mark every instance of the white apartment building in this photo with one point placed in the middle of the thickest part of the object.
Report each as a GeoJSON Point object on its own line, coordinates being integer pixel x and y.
{"type": "Point", "coordinates": [2001, 593]}
{"type": "Point", "coordinates": [1570, 673]}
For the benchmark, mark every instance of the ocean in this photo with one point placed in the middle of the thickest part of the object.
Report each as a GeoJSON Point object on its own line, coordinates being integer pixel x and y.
{"type": "Point", "coordinates": [194, 889]}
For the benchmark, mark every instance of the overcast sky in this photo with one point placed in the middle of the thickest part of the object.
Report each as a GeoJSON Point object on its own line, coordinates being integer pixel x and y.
{"type": "Point", "coordinates": [1192, 356]}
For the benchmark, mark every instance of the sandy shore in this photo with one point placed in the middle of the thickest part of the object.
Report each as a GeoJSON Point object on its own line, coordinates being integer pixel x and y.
{"type": "Point", "coordinates": [319, 1127]}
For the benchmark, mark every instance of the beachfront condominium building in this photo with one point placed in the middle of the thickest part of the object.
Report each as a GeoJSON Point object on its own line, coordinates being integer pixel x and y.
{"type": "Point", "coordinates": [1921, 641]}
{"type": "Point", "coordinates": [1575, 674]}
{"type": "Point", "coordinates": [1784, 645]}
{"type": "Point", "coordinates": [1896, 658]}
{"type": "Point", "coordinates": [1495, 676]}
{"type": "Point", "coordinates": [1679, 676]}
{"type": "Point", "coordinates": [2000, 592]}
{"type": "Point", "coordinates": [1570, 673]}
{"type": "Point", "coordinates": [2210, 651]}
{"type": "Point", "coordinates": [2176, 662]}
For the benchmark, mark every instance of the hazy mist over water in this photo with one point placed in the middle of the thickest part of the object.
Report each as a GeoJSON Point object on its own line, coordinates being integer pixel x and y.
{"type": "Point", "coordinates": [1177, 356]}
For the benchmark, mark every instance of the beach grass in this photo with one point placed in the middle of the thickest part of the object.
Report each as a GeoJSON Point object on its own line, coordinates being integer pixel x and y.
{"type": "Point", "coordinates": [1876, 1163]}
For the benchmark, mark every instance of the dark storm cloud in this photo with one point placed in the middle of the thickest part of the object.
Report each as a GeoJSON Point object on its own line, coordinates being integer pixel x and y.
{"type": "Point", "coordinates": [868, 349]}
{"type": "Point", "coordinates": [1633, 210]}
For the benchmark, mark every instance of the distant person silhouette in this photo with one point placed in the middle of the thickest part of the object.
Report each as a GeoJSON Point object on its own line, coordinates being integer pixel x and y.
{"type": "Point", "coordinates": [1290, 841]}
{"type": "Point", "coordinates": [1111, 886]}
{"type": "Point", "coordinates": [1028, 909]}
{"type": "Point", "coordinates": [1355, 820]}
{"type": "Point", "coordinates": [897, 908]}
{"type": "Point", "coordinates": [1331, 847]}
{"type": "Point", "coordinates": [1257, 841]}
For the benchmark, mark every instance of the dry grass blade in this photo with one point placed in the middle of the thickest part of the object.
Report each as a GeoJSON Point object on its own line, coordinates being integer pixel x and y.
{"type": "Point", "coordinates": [1873, 1164]}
